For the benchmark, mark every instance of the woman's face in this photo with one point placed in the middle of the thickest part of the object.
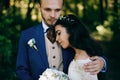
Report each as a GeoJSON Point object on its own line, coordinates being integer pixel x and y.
{"type": "Point", "coordinates": [62, 36]}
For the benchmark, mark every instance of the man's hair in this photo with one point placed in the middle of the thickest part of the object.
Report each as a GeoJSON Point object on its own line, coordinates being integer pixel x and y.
{"type": "Point", "coordinates": [39, 1]}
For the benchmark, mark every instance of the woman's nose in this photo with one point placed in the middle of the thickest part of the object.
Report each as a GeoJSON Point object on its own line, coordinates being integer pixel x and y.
{"type": "Point", "coordinates": [56, 38]}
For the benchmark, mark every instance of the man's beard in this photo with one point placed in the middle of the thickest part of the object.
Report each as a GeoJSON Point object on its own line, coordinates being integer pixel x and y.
{"type": "Point", "coordinates": [49, 20]}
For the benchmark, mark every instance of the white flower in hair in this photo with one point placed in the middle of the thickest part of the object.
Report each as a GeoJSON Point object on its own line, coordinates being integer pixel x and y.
{"type": "Point", "coordinates": [67, 18]}
{"type": "Point", "coordinates": [32, 43]}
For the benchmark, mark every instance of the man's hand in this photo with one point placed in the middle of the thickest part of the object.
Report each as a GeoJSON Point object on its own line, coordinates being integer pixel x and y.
{"type": "Point", "coordinates": [95, 66]}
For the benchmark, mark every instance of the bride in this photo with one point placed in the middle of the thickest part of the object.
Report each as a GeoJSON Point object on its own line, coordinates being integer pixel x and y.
{"type": "Point", "coordinates": [70, 32]}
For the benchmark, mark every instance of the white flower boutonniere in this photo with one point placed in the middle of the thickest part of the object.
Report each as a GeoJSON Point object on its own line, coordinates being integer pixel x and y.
{"type": "Point", "coordinates": [32, 43]}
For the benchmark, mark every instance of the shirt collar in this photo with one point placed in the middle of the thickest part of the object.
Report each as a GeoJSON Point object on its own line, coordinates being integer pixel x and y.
{"type": "Point", "coordinates": [45, 27]}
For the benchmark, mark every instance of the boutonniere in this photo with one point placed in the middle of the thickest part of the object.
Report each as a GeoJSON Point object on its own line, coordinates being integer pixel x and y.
{"type": "Point", "coordinates": [32, 43]}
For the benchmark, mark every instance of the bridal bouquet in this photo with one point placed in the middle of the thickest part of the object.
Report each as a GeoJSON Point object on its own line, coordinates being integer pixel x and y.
{"type": "Point", "coordinates": [53, 74]}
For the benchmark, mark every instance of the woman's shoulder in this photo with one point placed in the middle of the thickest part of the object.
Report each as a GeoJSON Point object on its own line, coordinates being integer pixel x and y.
{"type": "Point", "coordinates": [82, 60]}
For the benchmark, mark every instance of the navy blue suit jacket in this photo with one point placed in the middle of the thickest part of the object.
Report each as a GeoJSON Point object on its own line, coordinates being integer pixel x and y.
{"type": "Point", "coordinates": [31, 63]}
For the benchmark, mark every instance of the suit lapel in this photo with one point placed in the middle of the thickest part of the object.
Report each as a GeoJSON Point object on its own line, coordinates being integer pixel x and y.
{"type": "Point", "coordinates": [40, 41]}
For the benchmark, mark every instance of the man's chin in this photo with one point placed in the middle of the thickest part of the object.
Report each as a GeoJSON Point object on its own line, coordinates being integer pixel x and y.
{"type": "Point", "coordinates": [51, 24]}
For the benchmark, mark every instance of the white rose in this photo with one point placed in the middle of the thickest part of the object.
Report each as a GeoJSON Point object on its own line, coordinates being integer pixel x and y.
{"type": "Point", "coordinates": [32, 43]}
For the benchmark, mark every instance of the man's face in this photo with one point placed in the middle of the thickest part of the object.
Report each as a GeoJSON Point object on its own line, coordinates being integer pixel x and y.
{"type": "Point", "coordinates": [51, 10]}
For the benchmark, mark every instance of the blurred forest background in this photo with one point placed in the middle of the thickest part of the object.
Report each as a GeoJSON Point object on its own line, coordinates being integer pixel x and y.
{"type": "Point", "coordinates": [101, 16]}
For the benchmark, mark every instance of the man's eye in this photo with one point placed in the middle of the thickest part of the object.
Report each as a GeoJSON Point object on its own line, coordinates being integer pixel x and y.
{"type": "Point", "coordinates": [57, 10]}
{"type": "Point", "coordinates": [47, 9]}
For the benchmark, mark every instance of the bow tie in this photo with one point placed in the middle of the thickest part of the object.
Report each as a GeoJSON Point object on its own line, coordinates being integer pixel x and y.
{"type": "Point", "coordinates": [51, 34]}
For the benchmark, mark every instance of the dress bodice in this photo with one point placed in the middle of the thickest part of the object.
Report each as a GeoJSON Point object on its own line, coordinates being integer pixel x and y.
{"type": "Point", "coordinates": [76, 71]}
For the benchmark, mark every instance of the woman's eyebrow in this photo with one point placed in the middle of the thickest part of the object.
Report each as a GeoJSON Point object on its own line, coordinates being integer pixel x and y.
{"type": "Point", "coordinates": [57, 31]}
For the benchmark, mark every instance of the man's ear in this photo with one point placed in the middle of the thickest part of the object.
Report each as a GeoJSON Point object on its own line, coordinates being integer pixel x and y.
{"type": "Point", "coordinates": [39, 6]}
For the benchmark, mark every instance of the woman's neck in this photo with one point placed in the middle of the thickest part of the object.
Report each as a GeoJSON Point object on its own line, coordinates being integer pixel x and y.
{"type": "Point", "coordinates": [80, 54]}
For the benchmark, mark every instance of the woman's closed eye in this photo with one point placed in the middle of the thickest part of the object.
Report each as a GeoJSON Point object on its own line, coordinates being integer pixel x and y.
{"type": "Point", "coordinates": [58, 33]}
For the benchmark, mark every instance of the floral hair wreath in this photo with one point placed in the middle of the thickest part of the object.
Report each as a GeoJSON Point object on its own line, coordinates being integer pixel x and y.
{"type": "Point", "coordinates": [66, 18]}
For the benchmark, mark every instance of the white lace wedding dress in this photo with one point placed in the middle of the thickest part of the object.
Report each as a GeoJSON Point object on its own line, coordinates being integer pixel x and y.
{"type": "Point", "coordinates": [76, 71]}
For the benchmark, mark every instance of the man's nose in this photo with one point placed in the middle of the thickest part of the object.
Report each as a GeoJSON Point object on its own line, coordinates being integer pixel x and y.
{"type": "Point", "coordinates": [52, 14]}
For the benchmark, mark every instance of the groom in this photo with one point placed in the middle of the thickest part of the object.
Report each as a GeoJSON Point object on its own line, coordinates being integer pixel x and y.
{"type": "Point", "coordinates": [31, 62]}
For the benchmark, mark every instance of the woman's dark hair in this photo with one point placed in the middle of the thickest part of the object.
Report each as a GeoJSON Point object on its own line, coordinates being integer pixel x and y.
{"type": "Point", "coordinates": [79, 35]}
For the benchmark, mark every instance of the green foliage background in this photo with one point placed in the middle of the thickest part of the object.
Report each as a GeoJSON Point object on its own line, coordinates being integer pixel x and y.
{"type": "Point", "coordinates": [102, 17]}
